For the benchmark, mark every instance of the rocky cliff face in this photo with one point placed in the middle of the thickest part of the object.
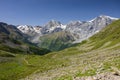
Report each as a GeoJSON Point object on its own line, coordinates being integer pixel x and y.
{"type": "Point", "coordinates": [86, 29]}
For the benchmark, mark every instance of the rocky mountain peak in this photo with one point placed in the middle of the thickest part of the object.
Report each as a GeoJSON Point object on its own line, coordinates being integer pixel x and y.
{"type": "Point", "coordinates": [52, 23]}
{"type": "Point", "coordinates": [83, 29]}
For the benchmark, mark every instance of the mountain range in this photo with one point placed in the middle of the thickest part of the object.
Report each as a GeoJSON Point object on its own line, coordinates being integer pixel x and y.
{"type": "Point", "coordinates": [53, 35]}
{"type": "Point", "coordinates": [77, 31]}
{"type": "Point", "coordinates": [79, 50]}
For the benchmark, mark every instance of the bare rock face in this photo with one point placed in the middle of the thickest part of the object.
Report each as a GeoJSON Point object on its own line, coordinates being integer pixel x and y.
{"type": "Point", "coordinates": [86, 29]}
{"type": "Point", "coordinates": [52, 27]}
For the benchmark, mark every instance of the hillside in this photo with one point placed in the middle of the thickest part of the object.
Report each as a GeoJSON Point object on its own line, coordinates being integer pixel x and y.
{"type": "Point", "coordinates": [11, 39]}
{"type": "Point", "coordinates": [109, 36]}
{"type": "Point", "coordinates": [14, 41]}
{"type": "Point", "coordinates": [57, 41]}
{"type": "Point", "coordinates": [96, 57]}
{"type": "Point", "coordinates": [88, 58]}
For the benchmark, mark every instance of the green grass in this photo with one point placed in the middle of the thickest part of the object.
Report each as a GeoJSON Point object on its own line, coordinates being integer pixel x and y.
{"type": "Point", "coordinates": [10, 49]}
{"type": "Point", "coordinates": [65, 77]}
{"type": "Point", "coordinates": [90, 72]}
{"type": "Point", "coordinates": [111, 33]}
{"type": "Point", "coordinates": [14, 69]}
{"type": "Point", "coordinates": [97, 55]}
{"type": "Point", "coordinates": [18, 68]}
{"type": "Point", "coordinates": [6, 54]}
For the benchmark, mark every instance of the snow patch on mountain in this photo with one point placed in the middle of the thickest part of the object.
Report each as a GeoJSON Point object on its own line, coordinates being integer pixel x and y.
{"type": "Point", "coordinates": [82, 29]}
{"type": "Point", "coordinates": [86, 29]}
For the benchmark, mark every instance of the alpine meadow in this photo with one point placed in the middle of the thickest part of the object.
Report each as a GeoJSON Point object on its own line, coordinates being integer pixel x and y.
{"type": "Point", "coordinates": [79, 41]}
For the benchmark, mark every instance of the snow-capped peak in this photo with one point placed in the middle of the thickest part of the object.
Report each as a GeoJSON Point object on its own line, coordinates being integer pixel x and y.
{"type": "Point", "coordinates": [52, 23]}
{"type": "Point", "coordinates": [25, 28]}
{"type": "Point", "coordinates": [112, 18]}
{"type": "Point", "coordinates": [28, 28]}
{"type": "Point", "coordinates": [63, 26]}
{"type": "Point", "coordinates": [75, 22]}
{"type": "Point", "coordinates": [83, 29]}
{"type": "Point", "coordinates": [104, 17]}
{"type": "Point", "coordinates": [92, 20]}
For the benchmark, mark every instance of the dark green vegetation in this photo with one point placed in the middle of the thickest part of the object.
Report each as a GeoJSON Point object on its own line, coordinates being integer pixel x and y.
{"type": "Point", "coordinates": [57, 41]}
{"type": "Point", "coordinates": [12, 40]}
{"type": "Point", "coordinates": [100, 53]}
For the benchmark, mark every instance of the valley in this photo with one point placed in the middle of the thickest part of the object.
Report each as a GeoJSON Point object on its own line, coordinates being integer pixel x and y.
{"type": "Point", "coordinates": [96, 57]}
{"type": "Point", "coordinates": [88, 59]}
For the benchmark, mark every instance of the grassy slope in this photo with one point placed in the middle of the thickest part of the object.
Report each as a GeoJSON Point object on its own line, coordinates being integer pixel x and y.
{"type": "Point", "coordinates": [56, 41]}
{"type": "Point", "coordinates": [110, 35]}
{"type": "Point", "coordinates": [98, 54]}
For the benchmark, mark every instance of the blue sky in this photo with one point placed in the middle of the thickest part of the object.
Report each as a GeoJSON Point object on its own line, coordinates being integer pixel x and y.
{"type": "Point", "coordinates": [39, 12]}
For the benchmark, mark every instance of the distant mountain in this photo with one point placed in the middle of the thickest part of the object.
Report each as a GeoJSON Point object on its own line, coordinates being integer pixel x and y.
{"type": "Point", "coordinates": [86, 29]}
{"type": "Point", "coordinates": [27, 29]}
{"type": "Point", "coordinates": [53, 26]}
{"type": "Point", "coordinates": [57, 41]}
{"type": "Point", "coordinates": [33, 33]}
{"type": "Point", "coordinates": [81, 29]}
